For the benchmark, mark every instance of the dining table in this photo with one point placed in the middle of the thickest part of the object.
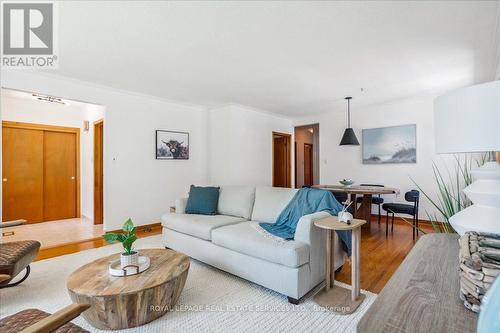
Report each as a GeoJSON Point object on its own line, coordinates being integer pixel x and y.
{"type": "Point", "coordinates": [364, 211]}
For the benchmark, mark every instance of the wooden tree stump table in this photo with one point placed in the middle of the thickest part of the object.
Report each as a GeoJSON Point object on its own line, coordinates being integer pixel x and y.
{"type": "Point", "coordinates": [125, 302]}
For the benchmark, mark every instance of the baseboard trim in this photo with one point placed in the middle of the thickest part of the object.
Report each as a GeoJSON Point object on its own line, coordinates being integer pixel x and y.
{"type": "Point", "coordinates": [145, 228]}
{"type": "Point", "coordinates": [399, 219]}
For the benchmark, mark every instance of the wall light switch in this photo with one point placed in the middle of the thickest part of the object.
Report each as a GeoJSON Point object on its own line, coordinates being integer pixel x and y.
{"type": "Point", "coordinates": [86, 125]}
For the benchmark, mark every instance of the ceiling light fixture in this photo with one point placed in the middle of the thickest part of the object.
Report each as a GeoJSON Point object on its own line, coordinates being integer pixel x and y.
{"type": "Point", "coordinates": [349, 137]}
{"type": "Point", "coordinates": [47, 98]}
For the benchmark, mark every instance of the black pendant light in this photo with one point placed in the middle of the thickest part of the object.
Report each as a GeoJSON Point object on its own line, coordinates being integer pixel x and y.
{"type": "Point", "coordinates": [349, 137]}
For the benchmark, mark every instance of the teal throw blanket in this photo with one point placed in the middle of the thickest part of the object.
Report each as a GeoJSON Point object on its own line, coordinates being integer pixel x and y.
{"type": "Point", "coordinates": [307, 201]}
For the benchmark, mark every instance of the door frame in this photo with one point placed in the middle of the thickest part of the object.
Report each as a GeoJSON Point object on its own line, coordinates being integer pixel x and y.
{"type": "Point", "coordinates": [288, 165]}
{"type": "Point", "coordinates": [99, 173]}
{"type": "Point", "coordinates": [316, 154]}
{"type": "Point", "coordinates": [295, 164]}
{"type": "Point", "coordinates": [54, 128]}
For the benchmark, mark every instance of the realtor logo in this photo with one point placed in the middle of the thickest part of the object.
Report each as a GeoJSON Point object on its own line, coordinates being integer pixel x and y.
{"type": "Point", "coordinates": [28, 34]}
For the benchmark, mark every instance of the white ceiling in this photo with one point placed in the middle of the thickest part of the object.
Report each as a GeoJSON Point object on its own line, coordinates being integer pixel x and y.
{"type": "Point", "coordinates": [292, 58]}
{"type": "Point", "coordinates": [34, 97]}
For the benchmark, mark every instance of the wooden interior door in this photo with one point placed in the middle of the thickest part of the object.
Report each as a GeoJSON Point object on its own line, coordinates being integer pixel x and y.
{"type": "Point", "coordinates": [281, 160]}
{"type": "Point", "coordinates": [22, 172]}
{"type": "Point", "coordinates": [98, 172]}
{"type": "Point", "coordinates": [308, 164]}
{"type": "Point", "coordinates": [295, 164]}
{"type": "Point", "coordinates": [60, 175]}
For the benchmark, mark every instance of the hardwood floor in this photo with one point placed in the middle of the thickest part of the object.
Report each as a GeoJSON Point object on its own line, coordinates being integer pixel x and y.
{"type": "Point", "coordinates": [59, 250]}
{"type": "Point", "coordinates": [62, 237]}
{"type": "Point", "coordinates": [54, 233]}
{"type": "Point", "coordinates": [381, 255]}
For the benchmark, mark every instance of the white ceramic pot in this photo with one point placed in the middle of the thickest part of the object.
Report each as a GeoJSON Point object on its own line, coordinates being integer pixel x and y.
{"type": "Point", "coordinates": [129, 259]}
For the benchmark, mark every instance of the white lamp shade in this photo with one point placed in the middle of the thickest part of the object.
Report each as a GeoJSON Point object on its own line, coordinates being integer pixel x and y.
{"type": "Point", "coordinates": [468, 120]}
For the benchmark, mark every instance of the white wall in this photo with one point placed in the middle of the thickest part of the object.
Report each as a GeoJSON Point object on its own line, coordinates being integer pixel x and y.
{"type": "Point", "coordinates": [339, 162]}
{"type": "Point", "coordinates": [228, 145]}
{"type": "Point", "coordinates": [136, 185]}
{"type": "Point", "coordinates": [240, 144]}
{"type": "Point", "coordinates": [92, 114]}
{"type": "Point", "coordinates": [22, 107]}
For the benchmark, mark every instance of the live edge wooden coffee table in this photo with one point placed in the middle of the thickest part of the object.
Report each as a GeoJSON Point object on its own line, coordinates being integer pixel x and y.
{"type": "Point", "coordinates": [125, 302]}
{"type": "Point", "coordinates": [336, 298]}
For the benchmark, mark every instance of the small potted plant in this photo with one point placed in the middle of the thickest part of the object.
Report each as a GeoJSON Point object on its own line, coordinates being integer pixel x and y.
{"type": "Point", "coordinates": [127, 238]}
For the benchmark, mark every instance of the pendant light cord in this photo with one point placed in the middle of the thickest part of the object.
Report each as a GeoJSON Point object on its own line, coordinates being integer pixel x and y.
{"type": "Point", "coordinates": [349, 113]}
{"type": "Point", "coordinates": [349, 137]}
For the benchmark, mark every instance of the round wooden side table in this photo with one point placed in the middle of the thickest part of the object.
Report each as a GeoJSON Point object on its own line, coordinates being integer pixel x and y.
{"type": "Point", "coordinates": [336, 298]}
{"type": "Point", "coordinates": [126, 302]}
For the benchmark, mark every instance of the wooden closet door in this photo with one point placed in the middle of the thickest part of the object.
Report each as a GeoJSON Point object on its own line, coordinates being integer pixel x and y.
{"type": "Point", "coordinates": [22, 183]}
{"type": "Point", "coordinates": [60, 172]}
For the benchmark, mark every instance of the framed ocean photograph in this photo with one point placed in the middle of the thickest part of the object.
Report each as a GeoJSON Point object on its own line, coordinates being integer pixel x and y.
{"type": "Point", "coordinates": [171, 145]}
{"type": "Point", "coordinates": [395, 144]}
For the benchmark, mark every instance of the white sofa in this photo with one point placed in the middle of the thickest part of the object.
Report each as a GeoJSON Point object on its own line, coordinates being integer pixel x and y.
{"type": "Point", "coordinates": [231, 242]}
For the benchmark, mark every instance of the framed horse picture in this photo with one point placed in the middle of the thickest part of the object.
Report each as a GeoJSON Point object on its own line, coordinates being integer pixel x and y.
{"type": "Point", "coordinates": [172, 145]}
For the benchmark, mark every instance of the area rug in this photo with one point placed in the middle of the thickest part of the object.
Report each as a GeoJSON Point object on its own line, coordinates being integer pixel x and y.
{"type": "Point", "coordinates": [212, 300]}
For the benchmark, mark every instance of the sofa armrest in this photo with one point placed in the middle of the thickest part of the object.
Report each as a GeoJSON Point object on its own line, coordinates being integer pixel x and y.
{"type": "Point", "coordinates": [315, 238]}
{"type": "Point", "coordinates": [180, 205]}
{"type": "Point", "coordinates": [306, 232]}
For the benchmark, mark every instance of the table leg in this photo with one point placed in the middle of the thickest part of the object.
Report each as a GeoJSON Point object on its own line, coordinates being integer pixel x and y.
{"type": "Point", "coordinates": [365, 210]}
{"type": "Point", "coordinates": [354, 205]}
{"type": "Point", "coordinates": [332, 258]}
{"type": "Point", "coordinates": [356, 235]}
{"type": "Point", "coordinates": [336, 298]}
{"type": "Point", "coordinates": [328, 268]}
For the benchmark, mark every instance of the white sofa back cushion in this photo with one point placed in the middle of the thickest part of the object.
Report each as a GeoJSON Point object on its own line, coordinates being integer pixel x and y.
{"type": "Point", "coordinates": [270, 201]}
{"type": "Point", "coordinates": [236, 201]}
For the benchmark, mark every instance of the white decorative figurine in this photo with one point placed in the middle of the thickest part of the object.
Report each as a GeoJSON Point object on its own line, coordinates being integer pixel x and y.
{"type": "Point", "coordinates": [344, 215]}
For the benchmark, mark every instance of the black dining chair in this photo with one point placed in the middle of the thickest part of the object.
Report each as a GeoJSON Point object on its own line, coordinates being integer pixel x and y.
{"type": "Point", "coordinates": [340, 196]}
{"type": "Point", "coordinates": [376, 200]}
{"type": "Point", "coordinates": [401, 208]}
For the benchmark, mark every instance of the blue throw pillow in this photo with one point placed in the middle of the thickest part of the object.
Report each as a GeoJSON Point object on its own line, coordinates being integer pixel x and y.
{"type": "Point", "coordinates": [202, 200]}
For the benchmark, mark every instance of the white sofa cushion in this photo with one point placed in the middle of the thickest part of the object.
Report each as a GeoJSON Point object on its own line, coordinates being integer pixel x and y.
{"type": "Point", "coordinates": [244, 238]}
{"type": "Point", "coordinates": [236, 201]}
{"type": "Point", "coordinates": [270, 201]}
{"type": "Point", "coordinates": [199, 226]}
